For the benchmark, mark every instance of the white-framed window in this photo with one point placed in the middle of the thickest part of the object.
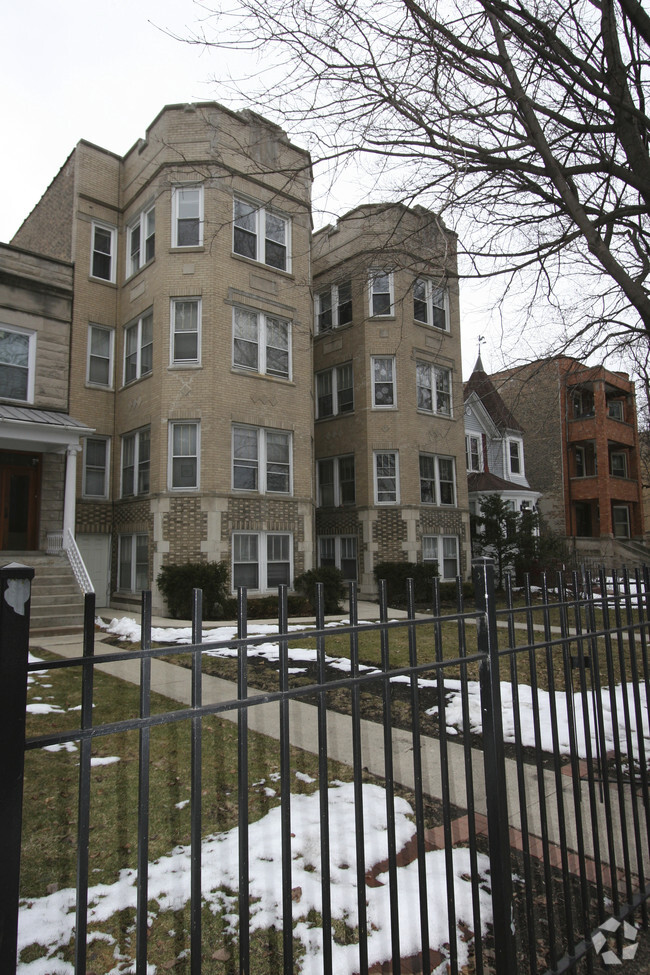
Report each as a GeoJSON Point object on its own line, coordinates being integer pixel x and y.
{"type": "Point", "coordinates": [187, 216]}
{"type": "Point", "coordinates": [386, 474]}
{"type": "Point", "coordinates": [384, 389]}
{"type": "Point", "coordinates": [17, 361]}
{"type": "Point", "coordinates": [381, 293]}
{"type": "Point", "coordinates": [262, 560]}
{"type": "Point", "coordinates": [336, 482]}
{"type": "Point", "coordinates": [437, 480]}
{"type": "Point", "coordinates": [618, 463]}
{"type": "Point", "coordinates": [442, 549]}
{"type": "Point", "coordinates": [515, 457]}
{"type": "Point", "coordinates": [103, 251]}
{"type": "Point", "coordinates": [433, 388]}
{"type": "Point", "coordinates": [101, 343]}
{"type": "Point", "coordinates": [473, 453]}
{"type": "Point", "coordinates": [141, 240]}
{"type": "Point", "coordinates": [136, 462]}
{"type": "Point", "coordinates": [341, 552]}
{"type": "Point", "coordinates": [96, 458]}
{"type": "Point", "coordinates": [184, 453]}
{"type": "Point", "coordinates": [138, 348]}
{"type": "Point", "coordinates": [185, 341]}
{"type": "Point", "coordinates": [335, 391]}
{"type": "Point", "coordinates": [262, 235]}
{"type": "Point", "coordinates": [430, 304]}
{"type": "Point", "coordinates": [261, 460]}
{"type": "Point", "coordinates": [261, 343]}
{"type": "Point", "coordinates": [333, 307]}
{"type": "Point", "coordinates": [133, 562]}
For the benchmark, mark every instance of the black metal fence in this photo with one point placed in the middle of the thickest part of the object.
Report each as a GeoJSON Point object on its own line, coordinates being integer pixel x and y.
{"type": "Point", "coordinates": [517, 736]}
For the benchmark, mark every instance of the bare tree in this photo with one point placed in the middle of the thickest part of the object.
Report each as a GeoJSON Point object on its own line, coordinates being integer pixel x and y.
{"type": "Point", "coordinates": [523, 122]}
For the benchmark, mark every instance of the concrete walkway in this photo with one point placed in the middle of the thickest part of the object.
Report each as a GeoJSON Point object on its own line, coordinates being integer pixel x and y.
{"type": "Point", "coordinates": [174, 682]}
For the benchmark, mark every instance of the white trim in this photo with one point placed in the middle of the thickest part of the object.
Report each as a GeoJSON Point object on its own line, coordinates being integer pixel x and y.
{"type": "Point", "coordinates": [177, 192]}
{"type": "Point", "coordinates": [111, 355]}
{"type": "Point", "coordinates": [262, 562]}
{"type": "Point", "coordinates": [31, 362]}
{"type": "Point", "coordinates": [260, 463]}
{"type": "Point", "coordinates": [173, 302]}
{"type": "Point", "coordinates": [171, 456]}
{"type": "Point", "coordinates": [261, 325]}
{"type": "Point", "coordinates": [107, 467]}
{"type": "Point", "coordinates": [431, 300]}
{"type": "Point", "coordinates": [112, 253]}
{"type": "Point", "coordinates": [375, 456]}
{"type": "Point", "coordinates": [374, 383]}
{"type": "Point", "coordinates": [259, 213]}
{"type": "Point", "coordinates": [140, 223]}
{"type": "Point", "coordinates": [373, 274]}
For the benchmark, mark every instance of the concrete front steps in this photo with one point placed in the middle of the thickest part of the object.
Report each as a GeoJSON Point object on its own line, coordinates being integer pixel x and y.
{"type": "Point", "coordinates": [57, 601]}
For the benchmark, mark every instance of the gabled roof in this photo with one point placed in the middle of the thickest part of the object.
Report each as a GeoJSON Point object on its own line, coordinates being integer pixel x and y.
{"type": "Point", "coordinates": [481, 384]}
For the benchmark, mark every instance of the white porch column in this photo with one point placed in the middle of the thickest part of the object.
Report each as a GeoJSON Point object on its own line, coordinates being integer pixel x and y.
{"type": "Point", "coordinates": [70, 495]}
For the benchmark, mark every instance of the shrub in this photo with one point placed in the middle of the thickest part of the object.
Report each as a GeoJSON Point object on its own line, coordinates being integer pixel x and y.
{"type": "Point", "coordinates": [176, 583]}
{"type": "Point", "coordinates": [334, 588]}
{"type": "Point", "coordinates": [396, 574]}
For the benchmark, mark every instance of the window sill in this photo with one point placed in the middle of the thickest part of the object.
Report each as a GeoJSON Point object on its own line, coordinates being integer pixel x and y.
{"type": "Point", "coordinates": [131, 277]}
{"type": "Point", "coordinates": [438, 416]}
{"type": "Point", "coordinates": [333, 416]}
{"type": "Point", "coordinates": [333, 331]}
{"type": "Point", "coordinates": [260, 265]}
{"type": "Point", "coordinates": [101, 387]}
{"type": "Point", "coordinates": [190, 249]}
{"type": "Point", "coordinates": [111, 284]}
{"type": "Point", "coordinates": [238, 371]}
{"type": "Point", "coordinates": [435, 328]}
{"type": "Point", "coordinates": [176, 366]}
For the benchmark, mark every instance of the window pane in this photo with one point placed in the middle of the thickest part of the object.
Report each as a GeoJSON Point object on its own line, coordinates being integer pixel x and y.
{"type": "Point", "coordinates": [245, 461]}
{"type": "Point", "coordinates": [324, 394]}
{"type": "Point", "coordinates": [275, 244]}
{"type": "Point", "coordinates": [245, 235]}
{"type": "Point", "coordinates": [245, 348]}
{"type": "Point", "coordinates": [277, 462]}
{"type": "Point", "coordinates": [144, 455]}
{"type": "Point", "coordinates": [439, 302]}
{"type": "Point", "coordinates": [443, 396]}
{"type": "Point", "coordinates": [346, 480]}
{"type": "Point", "coordinates": [326, 483]}
{"type": "Point", "coordinates": [383, 386]}
{"type": "Point", "coordinates": [430, 548]}
{"type": "Point", "coordinates": [102, 241]}
{"type": "Point", "coordinates": [420, 301]}
{"type": "Point", "coordinates": [386, 479]}
{"type": "Point", "coordinates": [327, 549]}
{"type": "Point", "coordinates": [345, 389]}
{"type": "Point", "coordinates": [324, 300]}
{"type": "Point", "coordinates": [345, 303]}
{"type": "Point", "coordinates": [141, 562]}
{"type": "Point", "coordinates": [277, 347]}
{"type": "Point", "coordinates": [423, 380]}
{"type": "Point", "coordinates": [126, 548]}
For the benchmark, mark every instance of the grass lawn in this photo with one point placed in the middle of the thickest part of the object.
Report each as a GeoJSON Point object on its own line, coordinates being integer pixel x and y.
{"type": "Point", "coordinates": [48, 865]}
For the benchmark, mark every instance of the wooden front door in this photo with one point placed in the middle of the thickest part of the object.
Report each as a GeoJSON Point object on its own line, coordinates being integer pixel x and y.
{"type": "Point", "coordinates": [19, 490]}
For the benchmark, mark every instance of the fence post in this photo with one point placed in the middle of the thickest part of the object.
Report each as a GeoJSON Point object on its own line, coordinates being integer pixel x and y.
{"type": "Point", "coordinates": [495, 770]}
{"type": "Point", "coordinates": [15, 595]}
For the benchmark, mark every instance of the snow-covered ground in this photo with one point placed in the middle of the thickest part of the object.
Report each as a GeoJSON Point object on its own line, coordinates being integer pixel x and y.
{"type": "Point", "coordinates": [50, 920]}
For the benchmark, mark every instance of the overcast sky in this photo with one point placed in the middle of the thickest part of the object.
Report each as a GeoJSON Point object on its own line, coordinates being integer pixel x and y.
{"type": "Point", "coordinates": [101, 72]}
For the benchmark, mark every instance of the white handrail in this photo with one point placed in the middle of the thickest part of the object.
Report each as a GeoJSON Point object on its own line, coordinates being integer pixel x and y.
{"type": "Point", "coordinates": [77, 563]}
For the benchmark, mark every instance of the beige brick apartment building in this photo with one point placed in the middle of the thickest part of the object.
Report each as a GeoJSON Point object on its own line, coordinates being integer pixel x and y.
{"type": "Point", "coordinates": [191, 359]}
{"type": "Point", "coordinates": [389, 435]}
